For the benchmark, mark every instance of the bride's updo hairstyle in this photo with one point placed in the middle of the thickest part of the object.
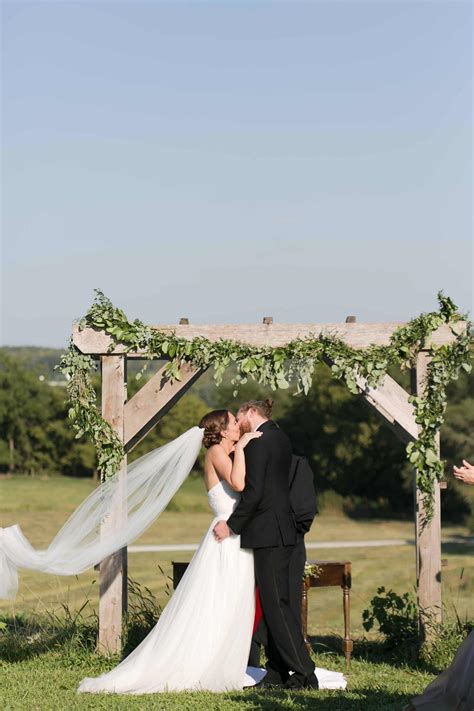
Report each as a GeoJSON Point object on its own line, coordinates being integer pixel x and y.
{"type": "Point", "coordinates": [263, 407]}
{"type": "Point", "coordinates": [213, 424]}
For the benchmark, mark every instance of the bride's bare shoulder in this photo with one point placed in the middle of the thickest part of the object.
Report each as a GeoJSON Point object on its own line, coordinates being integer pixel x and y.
{"type": "Point", "coordinates": [218, 460]}
{"type": "Point", "coordinates": [215, 454]}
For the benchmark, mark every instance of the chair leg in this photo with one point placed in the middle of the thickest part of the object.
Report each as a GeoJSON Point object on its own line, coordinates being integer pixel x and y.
{"type": "Point", "coordinates": [347, 643]}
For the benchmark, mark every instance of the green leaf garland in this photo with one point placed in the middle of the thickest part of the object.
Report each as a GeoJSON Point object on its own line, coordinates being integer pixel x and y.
{"type": "Point", "coordinates": [278, 368]}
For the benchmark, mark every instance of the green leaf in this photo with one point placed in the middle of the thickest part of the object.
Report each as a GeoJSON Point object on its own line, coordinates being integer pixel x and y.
{"type": "Point", "coordinates": [281, 382]}
{"type": "Point", "coordinates": [431, 457]}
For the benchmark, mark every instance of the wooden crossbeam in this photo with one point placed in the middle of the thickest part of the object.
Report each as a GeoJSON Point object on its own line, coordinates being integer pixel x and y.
{"type": "Point", "coordinates": [153, 401]}
{"type": "Point", "coordinates": [357, 335]}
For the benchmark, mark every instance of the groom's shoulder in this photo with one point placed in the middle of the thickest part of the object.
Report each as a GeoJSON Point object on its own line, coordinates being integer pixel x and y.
{"type": "Point", "coordinates": [273, 430]}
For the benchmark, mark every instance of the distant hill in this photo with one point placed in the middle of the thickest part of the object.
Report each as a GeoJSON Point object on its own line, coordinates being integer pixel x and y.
{"type": "Point", "coordinates": [41, 360]}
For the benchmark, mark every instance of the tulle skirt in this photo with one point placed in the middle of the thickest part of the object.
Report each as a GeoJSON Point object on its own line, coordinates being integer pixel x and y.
{"type": "Point", "coordinates": [202, 639]}
{"type": "Point", "coordinates": [453, 689]}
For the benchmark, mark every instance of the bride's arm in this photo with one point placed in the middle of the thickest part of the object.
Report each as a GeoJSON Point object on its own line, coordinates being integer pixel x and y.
{"type": "Point", "coordinates": [233, 471]}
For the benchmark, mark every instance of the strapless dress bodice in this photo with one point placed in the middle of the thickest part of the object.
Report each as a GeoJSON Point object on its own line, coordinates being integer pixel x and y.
{"type": "Point", "coordinates": [222, 499]}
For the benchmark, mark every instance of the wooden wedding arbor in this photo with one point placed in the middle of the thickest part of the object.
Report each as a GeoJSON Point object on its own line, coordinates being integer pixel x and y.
{"type": "Point", "coordinates": [133, 419]}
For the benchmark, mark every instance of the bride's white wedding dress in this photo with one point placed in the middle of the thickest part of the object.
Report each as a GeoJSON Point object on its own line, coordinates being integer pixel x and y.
{"type": "Point", "coordinates": [202, 639]}
{"type": "Point", "coordinates": [453, 689]}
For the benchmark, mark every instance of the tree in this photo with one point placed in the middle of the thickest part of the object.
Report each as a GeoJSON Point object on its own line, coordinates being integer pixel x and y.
{"type": "Point", "coordinates": [457, 444]}
{"type": "Point", "coordinates": [34, 428]}
{"type": "Point", "coordinates": [21, 405]}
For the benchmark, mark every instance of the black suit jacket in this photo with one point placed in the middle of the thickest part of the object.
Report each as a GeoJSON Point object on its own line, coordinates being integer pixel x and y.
{"type": "Point", "coordinates": [263, 516]}
{"type": "Point", "coordinates": [302, 494]}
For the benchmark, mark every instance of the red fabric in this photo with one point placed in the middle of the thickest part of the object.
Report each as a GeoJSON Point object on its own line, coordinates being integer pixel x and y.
{"type": "Point", "coordinates": [258, 611]}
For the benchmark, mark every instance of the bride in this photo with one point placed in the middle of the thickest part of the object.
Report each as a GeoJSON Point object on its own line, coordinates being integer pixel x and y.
{"type": "Point", "coordinates": [202, 639]}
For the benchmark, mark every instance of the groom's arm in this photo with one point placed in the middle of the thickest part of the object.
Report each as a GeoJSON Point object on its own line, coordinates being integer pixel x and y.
{"type": "Point", "coordinates": [303, 497]}
{"type": "Point", "coordinates": [255, 466]}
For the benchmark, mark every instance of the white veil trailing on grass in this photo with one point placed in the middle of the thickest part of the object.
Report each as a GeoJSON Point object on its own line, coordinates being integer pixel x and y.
{"type": "Point", "coordinates": [88, 536]}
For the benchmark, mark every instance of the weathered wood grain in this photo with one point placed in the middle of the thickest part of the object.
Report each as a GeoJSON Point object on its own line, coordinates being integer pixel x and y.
{"type": "Point", "coordinates": [390, 401]}
{"type": "Point", "coordinates": [153, 401]}
{"type": "Point", "coordinates": [113, 569]}
{"type": "Point", "coordinates": [357, 335]}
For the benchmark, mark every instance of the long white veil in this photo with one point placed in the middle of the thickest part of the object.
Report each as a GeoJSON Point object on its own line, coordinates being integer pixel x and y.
{"type": "Point", "coordinates": [86, 539]}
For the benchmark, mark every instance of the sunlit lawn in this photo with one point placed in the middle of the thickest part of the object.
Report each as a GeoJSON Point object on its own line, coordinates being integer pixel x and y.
{"type": "Point", "coordinates": [48, 681]}
{"type": "Point", "coordinates": [42, 505]}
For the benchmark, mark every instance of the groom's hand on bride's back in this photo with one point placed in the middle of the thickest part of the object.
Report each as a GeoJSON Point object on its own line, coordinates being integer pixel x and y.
{"type": "Point", "coordinates": [221, 531]}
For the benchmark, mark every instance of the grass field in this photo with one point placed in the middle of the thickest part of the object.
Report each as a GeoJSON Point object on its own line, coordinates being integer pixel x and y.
{"type": "Point", "coordinates": [41, 506]}
{"type": "Point", "coordinates": [48, 681]}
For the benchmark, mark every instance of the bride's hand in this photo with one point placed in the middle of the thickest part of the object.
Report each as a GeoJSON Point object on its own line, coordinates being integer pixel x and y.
{"type": "Point", "coordinates": [246, 438]}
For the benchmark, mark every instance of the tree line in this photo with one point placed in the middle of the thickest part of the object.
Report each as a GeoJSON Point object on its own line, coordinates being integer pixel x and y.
{"type": "Point", "coordinates": [357, 460]}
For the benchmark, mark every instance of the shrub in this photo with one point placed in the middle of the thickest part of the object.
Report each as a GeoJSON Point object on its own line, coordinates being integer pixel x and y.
{"type": "Point", "coordinates": [396, 616]}
{"type": "Point", "coordinates": [397, 619]}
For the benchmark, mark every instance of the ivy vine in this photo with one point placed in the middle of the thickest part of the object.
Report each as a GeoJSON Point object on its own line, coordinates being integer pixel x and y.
{"type": "Point", "coordinates": [278, 368]}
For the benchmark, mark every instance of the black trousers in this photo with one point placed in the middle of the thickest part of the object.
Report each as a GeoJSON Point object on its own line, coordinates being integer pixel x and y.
{"type": "Point", "coordinates": [286, 650]}
{"type": "Point", "coordinates": [296, 570]}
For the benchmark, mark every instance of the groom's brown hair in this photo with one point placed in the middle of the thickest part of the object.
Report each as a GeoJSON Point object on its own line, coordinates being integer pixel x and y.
{"type": "Point", "coordinates": [263, 407]}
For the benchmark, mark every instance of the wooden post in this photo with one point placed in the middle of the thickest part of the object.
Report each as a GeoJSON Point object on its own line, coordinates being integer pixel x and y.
{"type": "Point", "coordinates": [113, 570]}
{"type": "Point", "coordinates": [428, 535]}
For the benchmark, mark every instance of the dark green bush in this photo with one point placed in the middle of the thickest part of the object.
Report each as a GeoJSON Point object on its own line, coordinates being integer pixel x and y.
{"type": "Point", "coordinates": [396, 616]}
{"type": "Point", "coordinates": [397, 619]}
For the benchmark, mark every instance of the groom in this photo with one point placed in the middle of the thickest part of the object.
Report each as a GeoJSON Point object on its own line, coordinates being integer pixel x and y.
{"type": "Point", "coordinates": [264, 521]}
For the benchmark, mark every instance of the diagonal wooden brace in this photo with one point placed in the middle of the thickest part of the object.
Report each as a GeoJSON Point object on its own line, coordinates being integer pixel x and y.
{"type": "Point", "coordinates": [390, 401]}
{"type": "Point", "coordinates": [153, 401]}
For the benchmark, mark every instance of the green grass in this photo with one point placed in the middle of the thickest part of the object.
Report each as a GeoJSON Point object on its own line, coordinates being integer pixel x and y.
{"type": "Point", "coordinates": [42, 505]}
{"type": "Point", "coordinates": [48, 680]}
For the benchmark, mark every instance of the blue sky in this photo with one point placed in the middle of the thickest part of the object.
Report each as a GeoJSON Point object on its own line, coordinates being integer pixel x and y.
{"type": "Point", "coordinates": [225, 161]}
